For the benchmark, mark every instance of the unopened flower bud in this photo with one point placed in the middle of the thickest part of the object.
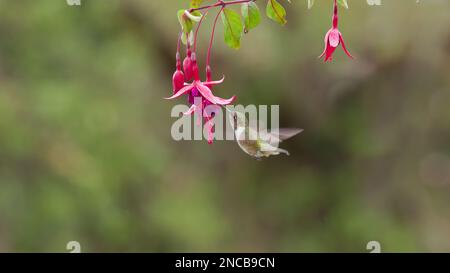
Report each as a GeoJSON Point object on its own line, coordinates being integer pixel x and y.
{"type": "Point", "coordinates": [187, 65]}
{"type": "Point", "coordinates": [178, 81]}
{"type": "Point", "coordinates": [178, 76]}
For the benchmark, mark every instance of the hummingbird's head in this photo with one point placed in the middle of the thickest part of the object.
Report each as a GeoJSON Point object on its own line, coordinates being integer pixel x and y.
{"type": "Point", "coordinates": [237, 120]}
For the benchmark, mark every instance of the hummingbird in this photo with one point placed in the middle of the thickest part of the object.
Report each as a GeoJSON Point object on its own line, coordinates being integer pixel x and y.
{"type": "Point", "coordinates": [259, 143]}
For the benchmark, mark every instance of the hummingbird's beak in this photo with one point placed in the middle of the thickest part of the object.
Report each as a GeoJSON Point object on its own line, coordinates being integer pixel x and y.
{"type": "Point", "coordinates": [232, 117]}
{"type": "Point", "coordinates": [228, 110]}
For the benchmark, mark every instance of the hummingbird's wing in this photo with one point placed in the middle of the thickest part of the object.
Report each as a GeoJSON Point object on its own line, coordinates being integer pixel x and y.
{"type": "Point", "coordinates": [287, 133]}
{"type": "Point", "coordinates": [283, 134]}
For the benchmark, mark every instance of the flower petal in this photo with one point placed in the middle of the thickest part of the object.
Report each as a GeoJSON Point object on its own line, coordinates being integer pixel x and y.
{"type": "Point", "coordinates": [344, 47]}
{"type": "Point", "coordinates": [207, 94]}
{"type": "Point", "coordinates": [329, 55]}
{"type": "Point", "coordinates": [182, 91]}
{"type": "Point", "coordinates": [215, 82]}
{"type": "Point", "coordinates": [326, 44]}
{"type": "Point", "coordinates": [198, 102]}
{"type": "Point", "coordinates": [334, 38]}
{"type": "Point", "coordinates": [190, 111]}
{"type": "Point", "coordinates": [210, 111]}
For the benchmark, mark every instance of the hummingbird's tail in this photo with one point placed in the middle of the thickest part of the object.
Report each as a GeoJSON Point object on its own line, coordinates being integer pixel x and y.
{"type": "Point", "coordinates": [282, 151]}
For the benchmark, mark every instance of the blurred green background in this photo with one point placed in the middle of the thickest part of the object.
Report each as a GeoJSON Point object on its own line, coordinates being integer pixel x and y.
{"type": "Point", "coordinates": [86, 152]}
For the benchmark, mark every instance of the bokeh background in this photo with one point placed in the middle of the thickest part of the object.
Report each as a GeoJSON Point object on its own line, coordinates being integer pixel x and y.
{"type": "Point", "coordinates": [86, 152]}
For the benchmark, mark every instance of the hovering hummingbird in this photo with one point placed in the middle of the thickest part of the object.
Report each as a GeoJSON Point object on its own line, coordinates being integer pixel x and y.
{"type": "Point", "coordinates": [258, 143]}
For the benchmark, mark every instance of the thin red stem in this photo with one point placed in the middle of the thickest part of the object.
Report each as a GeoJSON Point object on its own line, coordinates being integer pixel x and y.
{"type": "Point", "coordinates": [178, 58]}
{"type": "Point", "coordinates": [208, 58]}
{"type": "Point", "coordinates": [220, 3]}
{"type": "Point", "coordinates": [335, 14]}
{"type": "Point", "coordinates": [178, 42]}
{"type": "Point", "coordinates": [198, 28]}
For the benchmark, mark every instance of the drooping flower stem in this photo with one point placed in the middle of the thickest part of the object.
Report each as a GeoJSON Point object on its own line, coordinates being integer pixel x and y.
{"type": "Point", "coordinates": [198, 28]}
{"type": "Point", "coordinates": [208, 58]}
{"type": "Point", "coordinates": [219, 3]}
{"type": "Point", "coordinates": [206, 9]}
{"type": "Point", "coordinates": [178, 58]}
{"type": "Point", "coordinates": [335, 15]}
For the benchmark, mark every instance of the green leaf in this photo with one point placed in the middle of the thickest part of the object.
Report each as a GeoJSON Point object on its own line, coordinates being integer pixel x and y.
{"type": "Point", "coordinates": [194, 16]}
{"type": "Point", "coordinates": [233, 28]}
{"type": "Point", "coordinates": [251, 14]}
{"type": "Point", "coordinates": [276, 12]}
{"type": "Point", "coordinates": [185, 22]}
{"type": "Point", "coordinates": [343, 3]}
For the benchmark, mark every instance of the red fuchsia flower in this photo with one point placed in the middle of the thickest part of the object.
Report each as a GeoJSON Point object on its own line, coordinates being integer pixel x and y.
{"type": "Point", "coordinates": [334, 38]}
{"type": "Point", "coordinates": [200, 96]}
{"type": "Point", "coordinates": [203, 88]}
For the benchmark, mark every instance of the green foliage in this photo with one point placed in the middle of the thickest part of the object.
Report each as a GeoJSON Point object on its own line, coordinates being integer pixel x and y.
{"type": "Point", "coordinates": [234, 24]}
{"type": "Point", "coordinates": [251, 14]}
{"type": "Point", "coordinates": [233, 28]}
{"type": "Point", "coordinates": [276, 12]}
{"type": "Point", "coordinates": [251, 17]}
{"type": "Point", "coordinates": [187, 21]}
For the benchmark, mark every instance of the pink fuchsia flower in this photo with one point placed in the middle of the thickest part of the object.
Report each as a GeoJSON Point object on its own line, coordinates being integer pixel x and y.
{"type": "Point", "coordinates": [202, 99]}
{"type": "Point", "coordinates": [203, 88]}
{"type": "Point", "coordinates": [334, 38]}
